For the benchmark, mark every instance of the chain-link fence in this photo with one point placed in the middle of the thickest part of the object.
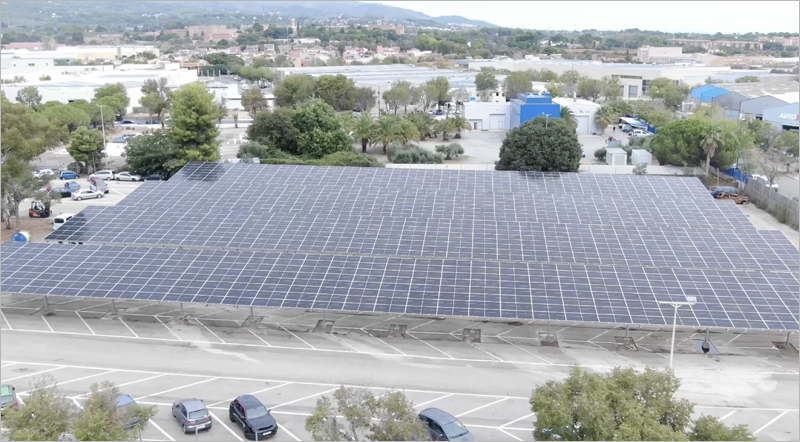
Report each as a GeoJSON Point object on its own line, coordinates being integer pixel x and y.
{"type": "Point", "coordinates": [784, 209]}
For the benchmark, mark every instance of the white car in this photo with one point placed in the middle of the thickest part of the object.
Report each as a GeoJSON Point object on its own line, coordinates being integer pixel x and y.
{"type": "Point", "coordinates": [765, 181]}
{"type": "Point", "coordinates": [127, 176]}
{"type": "Point", "coordinates": [103, 174]}
{"type": "Point", "coordinates": [59, 220]}
{"type": "Point", "coordinates": [83, 194]}
{"type": "Point", "coordinates": [43, 173]}
{"type": "Point", "coordinates": [639, 133]}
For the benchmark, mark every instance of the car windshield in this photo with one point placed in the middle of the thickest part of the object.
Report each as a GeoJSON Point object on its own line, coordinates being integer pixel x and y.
{"type": "Point", "coordinates": [199, 414]}
{"type": "Point", "coordinates": [6, 399]}
{"type": "Point", "coordinates": [454, 429]}
{"type": "Point", "coordinates": [255, 413]}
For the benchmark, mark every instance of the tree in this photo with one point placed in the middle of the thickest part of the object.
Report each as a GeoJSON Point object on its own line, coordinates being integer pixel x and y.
{"type": "Point", "coordinates": [485, 83]}
{"type": "Point", "coordinates": [320, 132]}
{"type": "Point", "coordinates": [747, 79]}
{"type": "Point", "coordinates": [338, 91]}
{"type": "Point", "coordinates": [294, 90]}
{"type": "Point", "coordinates": [404, 93]}
{"type": "Point", "coordinates": [387, 131]}
{"type": "Point", "coordinates": [365, 98]}
{"type": "Point", "coordinates": [668, 91]}
{"type": "Point", "coordinates": [222, 111]}
{"type": "Point", "coordinates": [680, 143]}
{"type": "Point", "coordinates": [516, 83]}
{"type": "Point", "coordinates": [712, 140]}
{"type": "Point", "coordinates": [423, 122]}
{"type": "Point", "coordinates": [416, 94]}
{"type": "Point", "coordinates": [569, 81]}
{"type": "Point", "coordinates": [394, 98]}
{"type": "Point", "coordinates": [450, 150]}
{"type": "Point", "coordinates": [606, 116]}
{"type": "Point", "coordinates": [69, 117]}
{"type": "Point", "coordinates": [568, 117]}
{"type": "Point", "coordinates": [459, 123]}
{"type": "Point", "coordinates": [709, 428]}
{"type": "Point", "coordinates": [157, 97]}
{"type": "Point", "coordinates": [359, 415]}
{"type": "Point", "coordinates": [460, 95]}
{"type": "Point", "coordinates": [621, 405]}
{"type": "Point", "coordinates": [438, 89]}
{"type": "Point", "coordinates": [100, 419]}
{"type": "Point", "coordinates": [612, 88]}
{"type": "Point", "coordinates": [29, 96]}
{"type": "Point", "coordinates": [194, 129]}
{"type": "Point", "coordinates": [87, 148]}
{"type": "Point", "coordinates": [118, 92]}
{"type": "Point", "coordinates": [541, 144]}
{"type": "Point", "coordinates": [590, 88]}
{"type": "Point", "coordinates": [364, 130]}
{"type": "Point", "coordinates": [45, 415]}
{"type": "Point", "coordinates": [275, 128]}
{"type": "Point", "coordinates": [554, 88]}
{"type": "Point", "coordinates": [640, 169]}
{"type": "Point", "coordinates": [152, 153]}
{"type": "Point", "coordinates": [253, 101]}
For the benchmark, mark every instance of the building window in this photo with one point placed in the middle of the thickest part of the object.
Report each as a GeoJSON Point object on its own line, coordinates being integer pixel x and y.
{"type": "Point", "coordinates": [633, 91]}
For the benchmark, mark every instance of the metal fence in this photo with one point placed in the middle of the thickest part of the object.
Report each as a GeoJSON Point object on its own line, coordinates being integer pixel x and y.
{"type": "Point", "coordinates": [784, 209]}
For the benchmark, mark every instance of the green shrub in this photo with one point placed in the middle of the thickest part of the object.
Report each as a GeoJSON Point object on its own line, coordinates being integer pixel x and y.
{"type": "Point", "coordinates": [250, 150]}
{"type": "Point", "coordinates": [413, 155]}
{"type": "Point", "coordinates": [450, 150]}
{"type": "Point", "coordinates": [350, 159]}
{"type": "Point", "coordinates": [600, 154]}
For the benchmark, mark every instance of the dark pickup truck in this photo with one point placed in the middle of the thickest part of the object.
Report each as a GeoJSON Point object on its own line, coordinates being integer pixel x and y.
{"type": "Point", "coordinates": [65, 191]}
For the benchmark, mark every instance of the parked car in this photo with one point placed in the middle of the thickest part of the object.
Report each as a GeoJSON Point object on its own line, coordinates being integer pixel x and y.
{"type": "Point", "coordinates": [253, 416]}
{"type": "Point", "coordinates": [155, 177]}
{"type": "Point", "coordinates": [98, 185]}
{"type": "Point", "coordinates": [59, 220]}
{"type": "Point", "coordinates": [68, 189]}
{"type": "Point", "coordinates": [765, 181]}
{"type": "Point", "coordinates": [128, 122]}
{"type": "Point", "coordinates": [41, 173]}
{"type": "Point", "coordinates": [8, 398]}
{"type": "Point", "coordinates": [444, 426]}
{"type": "Point", "coordinates": [127, 176]}
{"type": "Point", "coordinates": [639, 133]}
{"type": "Point", "coordinates": [152, 122]}
{"type": "Point", "coordinates": [67, 175]}
{"type": "Point", "coordinates": [124, 404]}
{"type": "Point", "coordinates": [85, 194]}
{"type": "Point", "coordinates": [103, 174]}
{"type": "Point", "coordinates": [717, 191]}
{"type": "Point", "coordinates": [191, 414]}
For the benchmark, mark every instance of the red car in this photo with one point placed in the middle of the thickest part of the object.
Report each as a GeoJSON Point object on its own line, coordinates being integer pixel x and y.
{"type": "Point", "coordinates": [99, 183]}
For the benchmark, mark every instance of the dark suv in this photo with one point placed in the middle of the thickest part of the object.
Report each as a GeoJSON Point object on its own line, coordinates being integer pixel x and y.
{"type": "Point", "coordinates": [443, 426]}
{"type": "Point", "coordinates": [253, 416]}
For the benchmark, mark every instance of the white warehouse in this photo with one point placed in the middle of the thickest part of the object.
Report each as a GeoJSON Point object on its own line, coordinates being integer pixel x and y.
{"type": "Point", "coordinates": [497, 115]}
{"type": "Point", "coordinates": [584, 111]}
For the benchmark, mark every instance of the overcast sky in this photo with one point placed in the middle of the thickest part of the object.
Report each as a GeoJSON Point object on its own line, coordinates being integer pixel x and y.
{"type": "Point", "coordinates": [677, 16]}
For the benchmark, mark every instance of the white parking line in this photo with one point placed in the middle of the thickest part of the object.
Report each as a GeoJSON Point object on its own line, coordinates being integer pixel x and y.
{"type": "Point", "coordinates": [177, 388]}
{"type": "Point", "coordinates": [209, 330]}
{"type": "Point", "coordinates": [259, 337]}
{"type": "Point", "coordinates": [129, 383]}
{"type": "Point", "coordinates": [167, 327]}
{"type": "Point", "coordinates": [429, 345]}
{"type": "Point", "coordinates": [253, 393]}
{"type": "Point", "coordinates": [526, 351]}
{"type": "Point", "coordinates": [219, 421]}
{"type": "Point", "coordinates": [34, 374]}
{"type": "Point", "coordinates": [8, 365]}
{"type": "Point", "coordinates": [517, 420]}
{"type": "Point", "coordinates": [74, 400]}
{"type": "Point", "coordinates": [727, 415]}
{"type": "Point", "coordinates": [770, 423]}
{"type": "Point", "coordinates": [157, 427]}
{"type": "Point", "coordinates": [298, 337]}
{"type": "Point", "coordinates": [84, 322]}
{"type": "Point", "coordinates": [129, 329]}
{"type": "Point", "coordinates": [290, 433]}
{"type": "Point", "coordinates": [304, 398]}
{"type": "Point", "coordinates": [434, 400]}
{"type": "Point", "coordinates": [8, 324]}
{"type": "Point", "coordinates": [384, 343]}
{"type": "Point", "coordinates": [509, 434]}
{"type": "Point", "coordinates": [48, 324]}
{"type": "Point", "coordinates": [481, 407]}
{"type": "Point", "coordinates": [79, 379]}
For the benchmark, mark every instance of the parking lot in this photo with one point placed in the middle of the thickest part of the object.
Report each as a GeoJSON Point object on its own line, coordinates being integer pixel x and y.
{"type": "Point", "coordinates": [117, 190]}
{"type": "Point", "coordinates": [215, 354]}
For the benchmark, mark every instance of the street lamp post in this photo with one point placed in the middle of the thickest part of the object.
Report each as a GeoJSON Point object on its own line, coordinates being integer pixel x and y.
{"type": "Point", "coordinates": [103, 126]}
{"type": "Point", "coordinates": [690, 301]}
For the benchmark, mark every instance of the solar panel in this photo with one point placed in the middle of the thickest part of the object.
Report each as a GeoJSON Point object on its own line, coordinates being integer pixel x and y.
{"type": "Point", "coordinates": [513, 290]}
{"type": "Point", "coordinates": [196, 178]}
{"type": "Point", "coordinates": [446, 238]}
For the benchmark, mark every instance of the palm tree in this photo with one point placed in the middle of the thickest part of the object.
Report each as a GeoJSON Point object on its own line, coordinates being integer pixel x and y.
{"type": "Point", "coordinates": [606, 116]}
{"type": "Point", "coordinates": [568, 117]}
{"type": "Point", "coordinates": [711, 142]}
{"type": "Point", "coordinates": [423, 123]}
{"type": "Point", "coordinates": [387, 130]}
{"type": "Point", "coordinates": [407, 131]}
{"type": "Point", "coordinates": [460, 123]}
{"type": "Point", "coordinates": [445, 126]}
{"type": "Point", "coordinates": [364, 130]}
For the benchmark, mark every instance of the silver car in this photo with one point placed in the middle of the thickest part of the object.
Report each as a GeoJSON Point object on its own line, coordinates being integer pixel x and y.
{"type": "Point", "coordinates": [191, 414]}
{"type": "Point", "coordinates": [127, 176]}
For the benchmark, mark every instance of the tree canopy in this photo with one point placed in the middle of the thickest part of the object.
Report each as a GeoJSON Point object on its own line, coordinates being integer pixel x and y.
{"type": "Point", "coordinates": [438, 90]}
{"type": "Point", "coordinates": [118, 95]}
{"type": "Point", "coordinates": [516, 83]}
{"type": "Point", "coordinates": [254, 101]}
{"type": "Point", "coordinates": [294, 90]}
{"type": "Point", "coordinates": [157, 97]}
{"type": "Point", "coordinates": [153, 153]}
{"type": "Point", "coordinates": [338, 91]}
{"type": "Point", "coordinates": [86, 147]}
{"type": "Point", "coordinates": [320, 131]}
{"type": "Point", "coordinates": [29, 96]}
{"type": "Point", "coordinates": [541, 144]}
{"type": "Point", "coordinates": [621, 405]}
{"type": "Point", "coordinates": [687, 143]}
{"type": "Point", "coordinates": [668, 91]}
{"type": "Point", "coordinates": [194, 124]}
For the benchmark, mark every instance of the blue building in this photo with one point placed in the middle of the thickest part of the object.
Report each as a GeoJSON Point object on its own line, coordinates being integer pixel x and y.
{"type": "Point", "coordinates": [526, 107]}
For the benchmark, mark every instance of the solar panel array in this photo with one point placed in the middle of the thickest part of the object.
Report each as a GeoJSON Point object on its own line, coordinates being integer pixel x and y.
{"type": "Point", "coordinates": [578, 247]}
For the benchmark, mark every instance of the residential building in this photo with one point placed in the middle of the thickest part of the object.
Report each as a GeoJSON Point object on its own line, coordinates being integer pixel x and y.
{"type": "Point", "coordinates": [715, 45]}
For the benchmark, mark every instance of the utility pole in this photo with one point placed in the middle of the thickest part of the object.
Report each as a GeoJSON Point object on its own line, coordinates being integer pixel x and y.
{"type": "Point", "coordinates": [103, 126]}
{"type": "Point", "coordinates": [690, 301]}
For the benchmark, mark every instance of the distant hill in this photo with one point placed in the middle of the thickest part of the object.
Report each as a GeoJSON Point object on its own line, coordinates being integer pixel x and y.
{"type": "Point", "coordinates": [80, 12]}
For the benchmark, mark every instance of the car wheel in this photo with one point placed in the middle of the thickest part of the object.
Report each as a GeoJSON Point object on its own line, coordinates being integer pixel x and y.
{"type": "Point", "coordinates": [230, 415]}
{"type": "Point", "coordinates": [78, 198]}
{"type": "Point", "coordinates": [99, 195]}
{"type": "Point", "coordinates": [117, 178]}
{"type": "Point", "coordinates": [183, 427]}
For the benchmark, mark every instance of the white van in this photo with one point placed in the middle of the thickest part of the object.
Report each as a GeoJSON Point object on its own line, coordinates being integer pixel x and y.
{"type": "Point", "coordinates": [59, 220]}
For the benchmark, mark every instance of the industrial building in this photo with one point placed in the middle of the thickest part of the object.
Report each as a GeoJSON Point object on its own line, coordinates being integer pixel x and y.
{"type": "Point", "coordinates": [739, 100]}
{"type": "Point", "coordinates": [584, 112]}
{"type": "Point", "coordinates": [783, 117]}
{"type": "Point", "coordinates": [70, 54]}
{"type": "Point", "coordinates": [635, 78]}
{"type": "Point", "coordinates": [650, 54]}
{"type": "Point", "coordinates": [526, 107]}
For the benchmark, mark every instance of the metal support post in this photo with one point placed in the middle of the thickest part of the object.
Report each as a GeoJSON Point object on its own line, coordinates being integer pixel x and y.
{"type": "Point", "coordinates": [182, 315]}
{"type": "Point", "coordinates": [251, 312]}
{"type": "Point", "coordinates": [113, 308]}
{"type": "Point", "coordinates": [626, 332]}
{"type": "Point", "coordinates": [46, 305]}
{"type": "Point", "coordinates": [672, 343]}
{"type": "Point", "coordinates": [788, 334]}
{"type": "Point", "coordinates": [548, 329]}
{"type": "Point", "coordinates": [706, 340]}
{"type": "Point", "coordinates": [195, 434]}
{"type": "Point", "coordinates": [323, 317]}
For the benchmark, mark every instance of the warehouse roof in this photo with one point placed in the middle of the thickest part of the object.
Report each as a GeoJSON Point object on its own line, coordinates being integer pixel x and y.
{"type": "Point", "coordinates": [755, 90]}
